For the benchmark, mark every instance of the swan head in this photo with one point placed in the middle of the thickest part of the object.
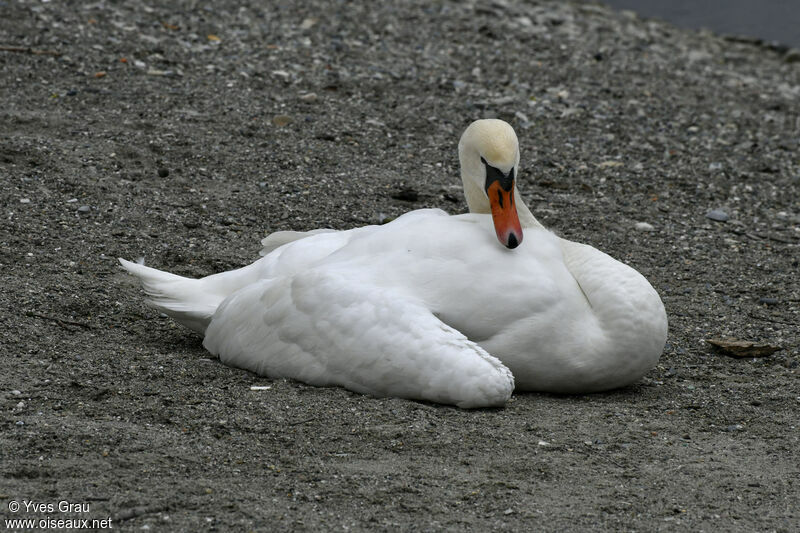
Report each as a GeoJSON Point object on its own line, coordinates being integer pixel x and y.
{"type": "Point", "coordinates": [489, 156]}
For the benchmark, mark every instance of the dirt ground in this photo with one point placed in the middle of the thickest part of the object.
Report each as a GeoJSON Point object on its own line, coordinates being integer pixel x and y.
{"type": "Point", "coordinates": [184, 132]}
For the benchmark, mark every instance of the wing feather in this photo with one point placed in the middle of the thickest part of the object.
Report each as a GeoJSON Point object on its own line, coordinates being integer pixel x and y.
{"type": "Point", "coordinates": [325, 328]}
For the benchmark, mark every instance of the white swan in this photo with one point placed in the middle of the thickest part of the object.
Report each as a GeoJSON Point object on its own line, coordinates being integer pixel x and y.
{"type": "Point", "coordinates": [431, 306]}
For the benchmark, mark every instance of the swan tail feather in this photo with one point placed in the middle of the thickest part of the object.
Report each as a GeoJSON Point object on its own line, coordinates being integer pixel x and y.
{"type": "Point", "coordinates": [181, 298]}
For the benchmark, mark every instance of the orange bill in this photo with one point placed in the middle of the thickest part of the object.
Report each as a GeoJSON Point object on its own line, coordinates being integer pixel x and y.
{"type": "Point", "coordinates": [504, 214]}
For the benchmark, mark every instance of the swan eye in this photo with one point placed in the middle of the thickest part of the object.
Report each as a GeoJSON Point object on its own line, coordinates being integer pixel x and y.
{"type": "Point", "coordinates": [493, 174]}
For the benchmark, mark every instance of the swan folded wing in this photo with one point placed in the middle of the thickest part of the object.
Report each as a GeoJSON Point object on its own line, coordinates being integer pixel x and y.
{"type": "Point", "coordinates": [279, 238]}
{"type": "Point", "coordinates": [326, 329]}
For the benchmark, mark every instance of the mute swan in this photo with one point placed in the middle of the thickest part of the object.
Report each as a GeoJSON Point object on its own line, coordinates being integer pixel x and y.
{"type": "Point", "coordinates": [431, 306]}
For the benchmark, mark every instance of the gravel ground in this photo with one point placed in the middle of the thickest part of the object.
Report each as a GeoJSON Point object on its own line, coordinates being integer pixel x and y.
{"type": "Point", "coordinates": [184, 132]}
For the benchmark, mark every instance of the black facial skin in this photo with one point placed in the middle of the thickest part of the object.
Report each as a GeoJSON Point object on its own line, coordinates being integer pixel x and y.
{"type": "Point", "coordinates": [493, 174]}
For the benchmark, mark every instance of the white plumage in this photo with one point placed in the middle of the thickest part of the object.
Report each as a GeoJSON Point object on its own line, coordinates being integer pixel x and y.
{"type": "Point", "coordinates": [430, 306]}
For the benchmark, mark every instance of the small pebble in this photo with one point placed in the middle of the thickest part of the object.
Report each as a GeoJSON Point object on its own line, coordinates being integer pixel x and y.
{"type": "Point", "coordinates": [281, 120]}
{"type": "Point", "coordinates": [163, 172]}
{"type": "Point", "coordinates": [767, 300]}
{"type": "Point", "coordinates": [644, 226]}
{"type": "Point", "coordinates": [15, 392]}
{"type": "Point", "coordinates": [24, 200]}
{"type": "Point", "coordinates": [20, 423]}
{"type": "Point", "coordinates": [308, 97]}
{"type": "Point", "coordinates": [792, 56]}
{"type": "Point", "coordinates": [718, 215]}
{"type": "Point", "coordinates": [84, 209]}
{"type": "Point", "coordinates": [407, 194]}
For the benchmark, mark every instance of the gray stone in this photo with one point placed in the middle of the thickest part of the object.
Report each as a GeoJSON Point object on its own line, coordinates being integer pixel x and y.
{"type": "Point", "coordinates": [718, 215]}
{"type": "Point", "coordinates": [792, 56]}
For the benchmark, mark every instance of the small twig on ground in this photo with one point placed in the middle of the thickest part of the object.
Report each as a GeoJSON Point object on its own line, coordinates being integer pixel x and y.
{"type": "Point", "coordinates": [769, 319]}
{"type": "Point", "coordinates": [139, 511]}
{"type": "Point", "coordinates": [27, 50]}
{"type": "Point", "coordinates": [777, 238]}
{"type": "Point", "coordinates": [302, 421]}
{"type": "Point", "coordinates": [60, 321]}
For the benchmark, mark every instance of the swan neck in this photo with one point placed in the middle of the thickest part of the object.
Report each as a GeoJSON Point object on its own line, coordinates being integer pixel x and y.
{"type": "Point", "coordinates": [526, 218]}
